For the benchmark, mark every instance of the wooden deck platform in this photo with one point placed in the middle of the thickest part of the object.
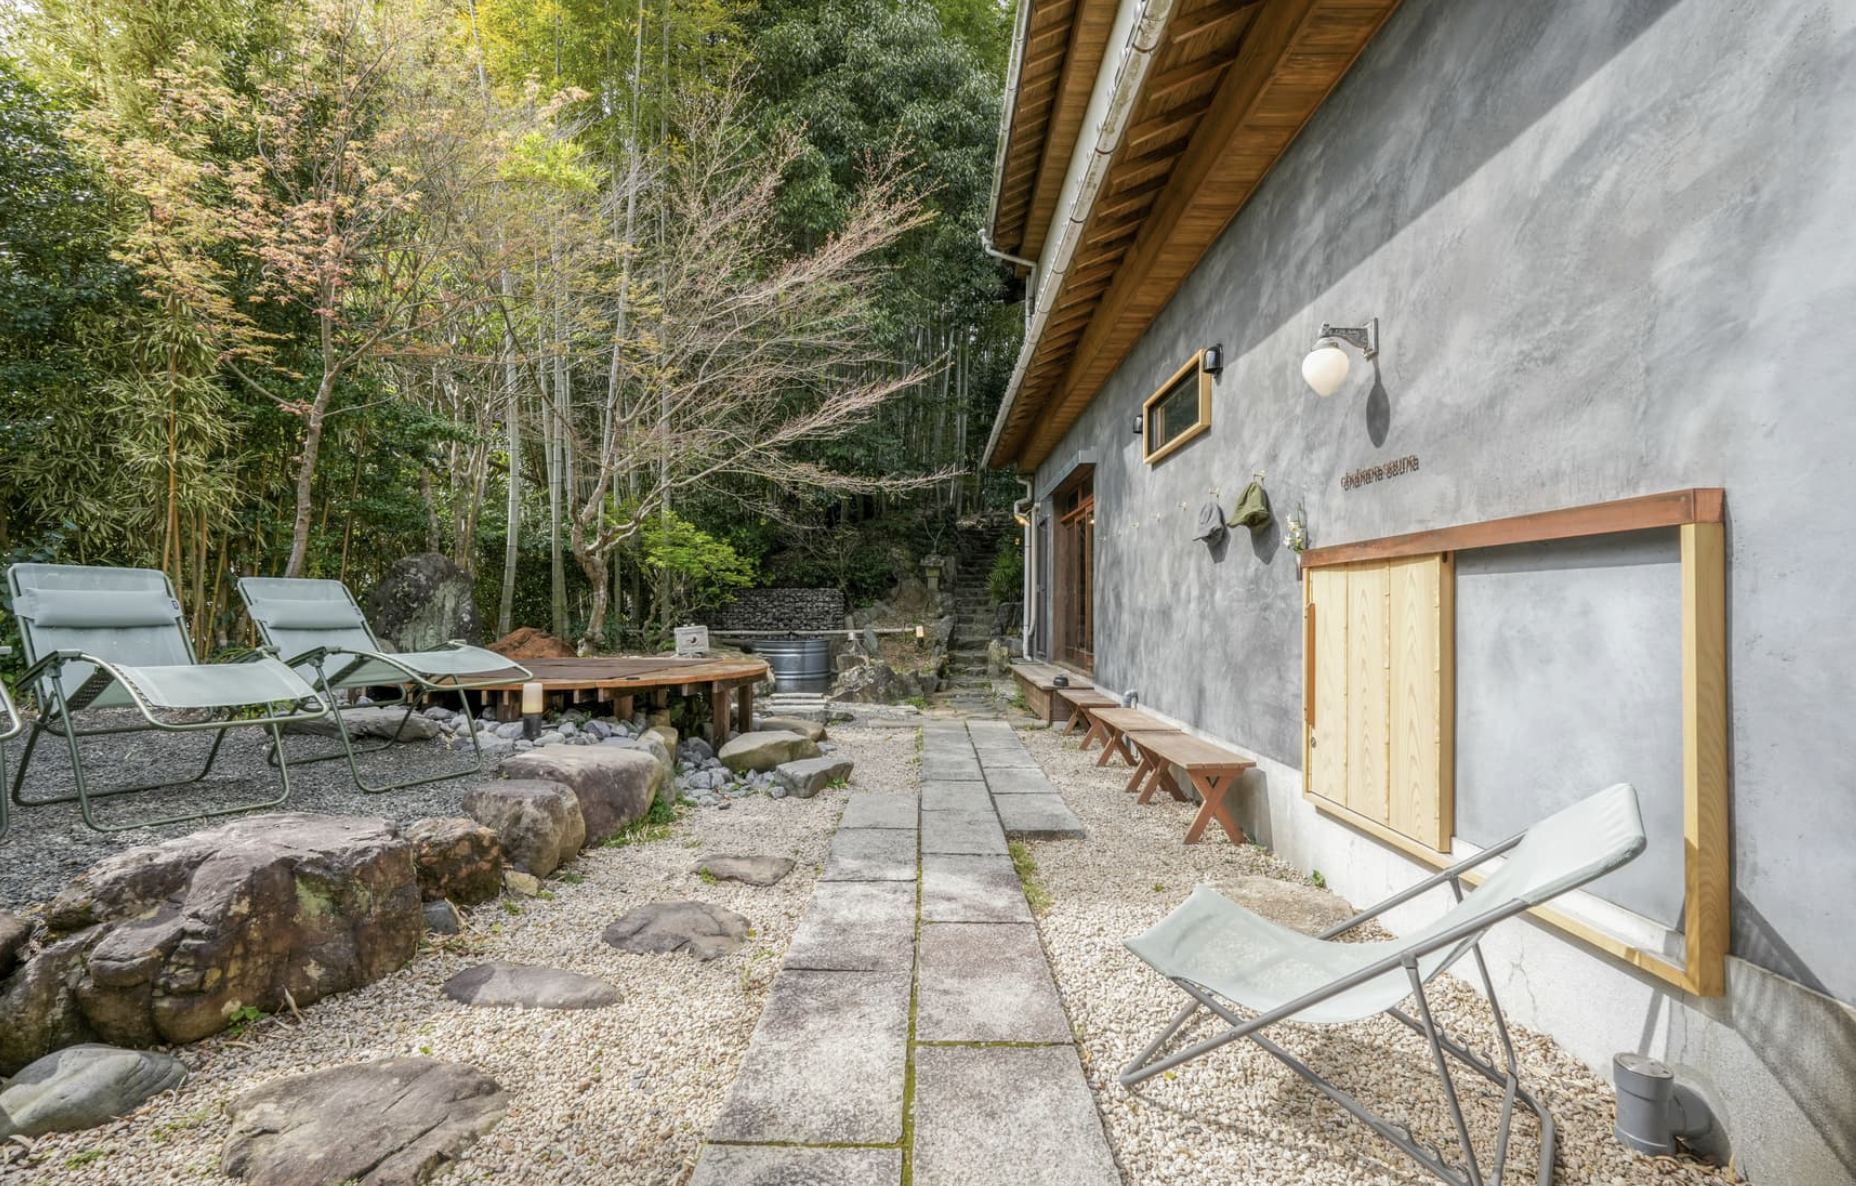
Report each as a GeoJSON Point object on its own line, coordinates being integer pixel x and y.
{"type": "Point", "coordinates": [622, 679]}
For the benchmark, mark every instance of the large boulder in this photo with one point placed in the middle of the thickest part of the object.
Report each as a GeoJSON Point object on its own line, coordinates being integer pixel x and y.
{"type": "Point", "coordinates": [39, 1010]}
{"type": "Point", "coordinates": [383, 722]}
{"type": "Point", "coordinates": [164, 943]}
{"type": "Point", "coordinates": [808, 776]}
{"type": "Point", "coordinates": [394, 1122]}
{"type": "Point", "coordinates": [538, 821]}
{"type": "Point", "coordinates": [81, 1087]}
{"type": "Point", "coordinates": [423, 602]}
{"type": "Point", "coordinates": [615, 786]}
{"type": "Point", "coordinates": [810, 730]}
{"type": "Point", "coordinates": [874, 683]}
{"type": "Point", "coordinates": [15, 932]}
{"type": "Point", "coordinates": [527, 642]}
{"type": "Point", "coordinates": [458, 860]}
{"type": "Point", "coordinates": [647, 742]}
{"type": "Point", "coordinates": [763, 751]}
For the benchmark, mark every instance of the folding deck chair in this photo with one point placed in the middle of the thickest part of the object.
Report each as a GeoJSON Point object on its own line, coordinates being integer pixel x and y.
{"type": "Point", "coordinates": [8, 732]}
{"type": "Point", "coordinates": [1218, 951]}
{"type": "Point", "coordinates": [116, 638]}
{"type": "Point", "coordinates": [318, 628]}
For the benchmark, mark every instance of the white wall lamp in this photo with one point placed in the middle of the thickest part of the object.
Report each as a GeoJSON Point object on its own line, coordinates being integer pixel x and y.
{"type": "Point", "coordinates": [1325, 368]}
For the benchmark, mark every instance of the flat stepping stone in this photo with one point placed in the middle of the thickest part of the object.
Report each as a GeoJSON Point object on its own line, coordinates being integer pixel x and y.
{"type": "Point", "coordinates": [1016, 780]}
{"type": "Point", "coordinates": [763, 751]}
{"type": "Point", "coordinates": [955, 796]}
{"type": "Point", "coordinates": [968, 833]}
{"type": "Point", "coordinates": [1016, 757]}
{"type": "Point", "coordinates": [1007, 1116]}
{"type": "Point", "coordinates": [871, 854]}
{"type": "Point", "coordinates": [393, 1122]}
{"type": "Point", "coordinates": [825, 1065]}
{"type": "Point", "coordinates": [1038, 817]}
{"type": "Point", "coordinates": [881, 811]}
{"type": "Point", "coordinates": [986, 982]}
{"type": "Point", "coordinates": [972, 889]}
{"type": "Point", "coordinates": [523, 986]}
{"type": "Point", "coordinates": [750, 870]}
{"type": "Point", "coordinates": [82, 1087]}
{"type": "Point", "coordinates": [700, 928]}
{"type": "Point", "coordinates": [762, 1165]}
{"type": "Point", "coordinates": [856, 926]}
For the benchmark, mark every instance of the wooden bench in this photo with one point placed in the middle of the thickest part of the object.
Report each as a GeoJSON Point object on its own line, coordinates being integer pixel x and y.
{"type": "Point", "coordinates": [1211, 768]}
{"type": "Point", "coordinates": [1080, 701]}
{"type": "Point", "coordinates": [1115, 727]}
{"type": "Point", "coordinates": [1038, 683]}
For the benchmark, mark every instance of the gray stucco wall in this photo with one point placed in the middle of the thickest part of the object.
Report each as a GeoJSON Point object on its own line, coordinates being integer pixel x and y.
{"type": "Point", "coordinates": [1610, 248]}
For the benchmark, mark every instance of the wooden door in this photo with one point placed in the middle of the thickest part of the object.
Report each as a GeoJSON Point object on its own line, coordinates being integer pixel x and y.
{"type": "Point", "coordinates": [1074, 557]}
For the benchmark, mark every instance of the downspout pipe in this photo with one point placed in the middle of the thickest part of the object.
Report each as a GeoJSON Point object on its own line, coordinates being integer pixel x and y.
{"type": "Point", "coordinates": [1025, 511]}
{"type": "Point", "coordinates": [1143, 44]}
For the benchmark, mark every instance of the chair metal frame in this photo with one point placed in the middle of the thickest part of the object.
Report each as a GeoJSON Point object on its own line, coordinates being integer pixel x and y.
{"type": "Point", "coordinates": [15, 724]}
{"type": "Point", "coordinates": [1505, 1076]}
{"type": "Point", "coordinates": [331, 681]}
{"type": "Point", "coordinates": [55, 709]}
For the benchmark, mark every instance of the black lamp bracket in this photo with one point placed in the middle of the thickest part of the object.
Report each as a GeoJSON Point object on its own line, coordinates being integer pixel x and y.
{"type": "Point", "coordinates": [1365, 337]}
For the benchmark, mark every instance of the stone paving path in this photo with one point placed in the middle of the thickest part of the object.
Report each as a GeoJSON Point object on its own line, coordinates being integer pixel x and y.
{"type": "Point", "coordinates": [914, 1033]}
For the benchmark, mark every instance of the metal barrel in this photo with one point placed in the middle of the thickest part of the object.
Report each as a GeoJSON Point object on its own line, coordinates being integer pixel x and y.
{"type": "Point", "coordinates": [799, 664]}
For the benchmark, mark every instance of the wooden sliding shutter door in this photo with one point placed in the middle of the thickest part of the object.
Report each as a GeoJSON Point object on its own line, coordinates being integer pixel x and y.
{"type": "Point", "coordinates": [1379, 706]}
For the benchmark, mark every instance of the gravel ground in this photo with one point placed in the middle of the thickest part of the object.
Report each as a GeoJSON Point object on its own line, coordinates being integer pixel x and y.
{"type": "Point", "coordinates": [47, 846]}
{"type": "Point", "coordinates": [1237, 1116]}
{"type": "Point", "coordinates": [621, 1095]}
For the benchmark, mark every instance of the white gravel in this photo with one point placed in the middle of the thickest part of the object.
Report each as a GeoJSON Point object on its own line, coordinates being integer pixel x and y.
{"type": "Point", "coordinates": [622, 1095]}
{"type": "Point", "coordinates": [1237, 1117]}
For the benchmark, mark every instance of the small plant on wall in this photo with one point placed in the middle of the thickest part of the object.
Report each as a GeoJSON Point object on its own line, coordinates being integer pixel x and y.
{"type": "Point", "coordinates": [1295, 530]}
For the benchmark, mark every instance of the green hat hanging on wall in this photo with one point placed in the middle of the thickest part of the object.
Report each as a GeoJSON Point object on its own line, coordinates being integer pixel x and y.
{"type": "Point", "coordinates": [1253, 506]}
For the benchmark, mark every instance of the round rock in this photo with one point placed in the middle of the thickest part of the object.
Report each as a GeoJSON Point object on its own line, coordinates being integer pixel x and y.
{"type": "Point", "coordinates": [703, 930]}
{"type": "Point", "coordinates": [523, 986]}
{"type": "Point", "coordinates": [81, 1087]}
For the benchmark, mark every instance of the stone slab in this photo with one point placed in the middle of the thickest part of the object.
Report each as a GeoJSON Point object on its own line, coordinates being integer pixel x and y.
{"type": "Point", "coordinates": [856, 926]}
{"type": "Point", "coordinates": [972, 889]}
{"type": "Point", "coordinates": [1038, 817]}
{"type": "Point", "coordinates": [1007, 1116]}
{"type": "Point", "coordinates": [763, 1165]}
{"type": "Point", "coordinates": [985, 732]}
{"type": "Point", "coordinates": [881, 811]}
{"type": "Point", "coordinates": [970, 833]}
{"type": "Point", "coordinates": [871, 854]}
{"type": "Point", "coordinates": [986, 982]}
{"type": "Point", "coordinates": [1012, 757]}
{"type": "Point", "coordinates": [950, 763]}
{"type": "Point", "coordinates": [942, 795]}
{"type": "Point", "coordinates": [1014, 780]}
{"type": "Point", "coordinates": [825, 1064]}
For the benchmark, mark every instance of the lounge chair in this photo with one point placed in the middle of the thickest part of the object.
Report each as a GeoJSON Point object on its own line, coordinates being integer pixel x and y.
{"type": "Point", "coordinates": [321, 632]}
{"type": "Point", "coordinates": [1217, 951]}
{"type": "Point", "coordinates": [8, 732]}
{"type": "Point", "coordinates": [116, 638]}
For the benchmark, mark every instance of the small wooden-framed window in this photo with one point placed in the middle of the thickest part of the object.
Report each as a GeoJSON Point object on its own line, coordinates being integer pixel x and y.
{"type": "Point", "coordinates": [1179, 411]}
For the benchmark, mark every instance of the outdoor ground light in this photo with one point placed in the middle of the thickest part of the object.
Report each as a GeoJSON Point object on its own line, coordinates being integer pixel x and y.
{"type": "Point", "coordinates": [531, 710]}
{"type": "Point", "coordinates": [1325, 368]}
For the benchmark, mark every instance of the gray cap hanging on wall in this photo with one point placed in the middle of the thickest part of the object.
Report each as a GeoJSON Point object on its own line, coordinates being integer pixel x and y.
{"type": "Point", "coordinates": [1211, 523]}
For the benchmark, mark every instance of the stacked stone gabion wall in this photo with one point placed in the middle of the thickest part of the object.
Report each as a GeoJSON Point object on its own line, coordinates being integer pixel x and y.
{"type": "Point", "coordinates": [781, 609]}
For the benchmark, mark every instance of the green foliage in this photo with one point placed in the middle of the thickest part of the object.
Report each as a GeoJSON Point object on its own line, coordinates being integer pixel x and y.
{"type": "Point", "coordinates": [243, 1018]}
{"type": "Point", "coordinates": [1006, 581]}
{"type": "Point", "coordinates": [1026, 866]}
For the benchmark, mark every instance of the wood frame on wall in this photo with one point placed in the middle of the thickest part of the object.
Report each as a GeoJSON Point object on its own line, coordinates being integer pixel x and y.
{"type": "Point", "coordinates": [1699, 515]}
{"type": "Point", "coordinates": [1148, 452]}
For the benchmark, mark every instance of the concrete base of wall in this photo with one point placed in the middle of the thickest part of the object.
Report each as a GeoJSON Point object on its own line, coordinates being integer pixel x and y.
{"type": "Point", "coordinates": [1775, 1060]}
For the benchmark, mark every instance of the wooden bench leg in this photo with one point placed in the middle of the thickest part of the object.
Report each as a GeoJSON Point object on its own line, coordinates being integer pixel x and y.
{"type": "Point", "coordinates": [1163, 777]}
{"type": "Point", "coordinates": [744, 708]}
{"type": "Point", "coordinates": [1096, 732]}
{"type": "Point", "coordinates": [719, 698]}
{"type": "Point", "coordinates": [1141, 771]}
{"type": "Point", "coordinates": [1115, 743]}
{"type": "Point", "coordinates": [1211, 788]}
{"type": "Point", "coordinates": [1076, 718]}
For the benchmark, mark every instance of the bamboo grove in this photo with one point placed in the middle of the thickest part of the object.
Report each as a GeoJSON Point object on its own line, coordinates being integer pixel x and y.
{"type": "Point", "coordinates": [618, 305]}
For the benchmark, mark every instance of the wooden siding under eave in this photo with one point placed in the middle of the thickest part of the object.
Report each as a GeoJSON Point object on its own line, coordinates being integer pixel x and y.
{"type": "Point", "coordinates": [1066, 42]}
{"type": "Point", "coordinates": [1234, 83]}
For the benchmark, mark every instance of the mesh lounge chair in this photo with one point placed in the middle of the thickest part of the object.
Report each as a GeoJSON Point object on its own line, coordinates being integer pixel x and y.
{"type": "Point", "coordinates": [1217, 951]}
{"type": "Point", "coordinates": [320, 630]}
{"type": "Point", "coordinates": [8, 731]}
{"type": "Point", "coordinates": [115, 638]}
